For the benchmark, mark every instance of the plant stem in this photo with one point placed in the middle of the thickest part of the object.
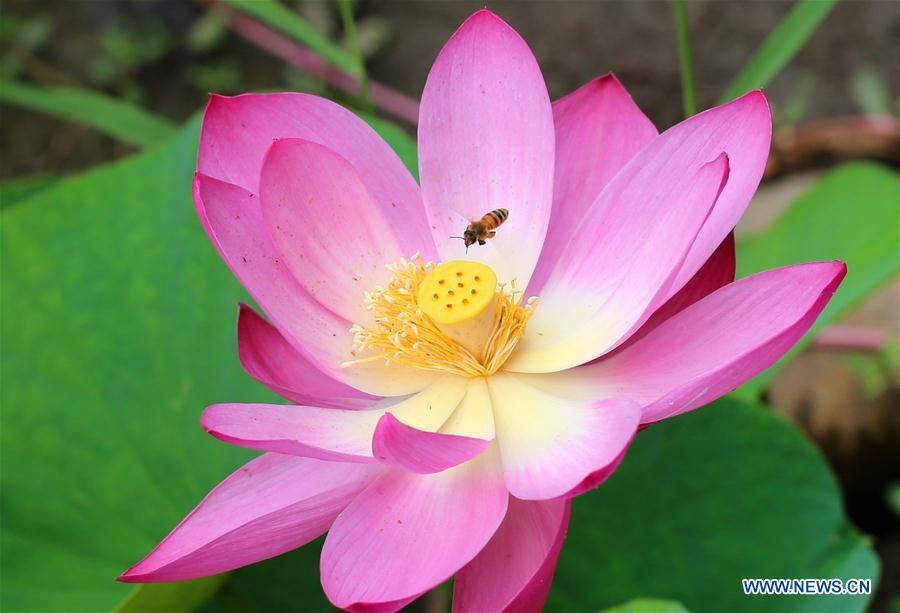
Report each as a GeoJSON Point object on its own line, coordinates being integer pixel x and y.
{"type": "Point", "coordinates": [264, 37]}
{"type": "Point", "coordinates": [688, 97]}
{"type": "Point", "coordinates": [353, 40]}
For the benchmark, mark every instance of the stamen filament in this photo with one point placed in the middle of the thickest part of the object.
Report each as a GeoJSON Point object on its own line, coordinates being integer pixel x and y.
{"type": "Point", "coordinates": [403, 334]}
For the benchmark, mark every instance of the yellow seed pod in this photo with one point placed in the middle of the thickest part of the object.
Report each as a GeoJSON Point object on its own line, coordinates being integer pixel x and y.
{"type": "Point", "coordinates": [458, 296]}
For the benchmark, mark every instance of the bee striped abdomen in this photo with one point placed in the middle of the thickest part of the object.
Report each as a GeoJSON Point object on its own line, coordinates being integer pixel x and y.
{"type": "Point", "coordinates": [495, 218]}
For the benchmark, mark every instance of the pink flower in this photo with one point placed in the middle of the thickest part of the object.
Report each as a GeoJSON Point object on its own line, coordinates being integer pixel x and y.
{"type": "Point", "coordinates": [446, 433]}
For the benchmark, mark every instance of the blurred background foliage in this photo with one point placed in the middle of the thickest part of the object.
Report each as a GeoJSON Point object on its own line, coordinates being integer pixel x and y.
{"type": "Point", "coordinates": [118, 318]}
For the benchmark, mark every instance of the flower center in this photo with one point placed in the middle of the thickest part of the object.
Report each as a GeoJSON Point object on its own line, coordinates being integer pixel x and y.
{"type": "Point", "coordinates": [450, 318]}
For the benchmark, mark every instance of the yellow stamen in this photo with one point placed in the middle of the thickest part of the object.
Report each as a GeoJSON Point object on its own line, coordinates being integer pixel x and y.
{"type": "Point", "coordinates": [472, 338]}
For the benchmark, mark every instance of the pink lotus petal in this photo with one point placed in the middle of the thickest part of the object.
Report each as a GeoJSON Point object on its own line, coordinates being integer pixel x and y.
{"type": "Point", "coordinates": [326, 433]}
{"type": "Point", "coordinates": [233, 220]}
{"type": "Point", "coordinates": [599, 477]}
{"type": "Point", "coordinates": [718, 271]}
{"type": "Point", "coordinates": [515, 569]}
{"type": "Point", "coordinates": [238, 131]}
{"type": "Point", "coordinates": [342, 435]}
{"type": "Point", "coordinates": [550, 444]}
{"type": "Point", "coordinates": [270, 359]}
{"type": "Point", "coordinates": [735, 333]}
{"type": "Point", "coordinates": [616, 269]}
{"type": "Point", "coordinates": [271, 505]}
{"type": "Point", "coordinates": [406, 533]}
{"type": "Point", "coordinates": [743, 130]}
{"type": "Point", "coordinates": [599, 129]}
{"type": "Point", "coordinates": [473, 417]}
{"type": "Point", "coordinates": [711, 347]}
{"type": "Point", "coordinates": [486, 142]}
{"type": "Point", "coordinates": [326, 225]}
{"type": "Point", "coordinates": [419, 451]}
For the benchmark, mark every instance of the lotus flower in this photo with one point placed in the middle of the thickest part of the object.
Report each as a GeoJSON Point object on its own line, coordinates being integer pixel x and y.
{"type": "Point", "coordinates": [450, 403]}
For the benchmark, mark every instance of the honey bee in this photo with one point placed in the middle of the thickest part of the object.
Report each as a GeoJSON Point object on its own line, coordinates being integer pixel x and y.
{"type": "Point", "coordinates": [481, 230]}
